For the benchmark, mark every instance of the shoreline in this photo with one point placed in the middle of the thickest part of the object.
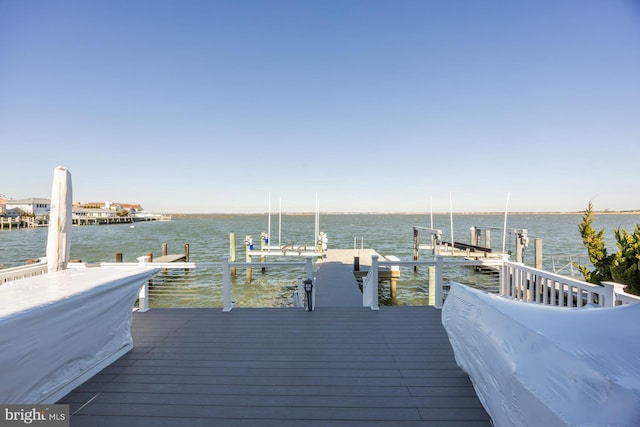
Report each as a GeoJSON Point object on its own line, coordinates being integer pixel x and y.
{"type": "Point", "coordinates": [228, 215]}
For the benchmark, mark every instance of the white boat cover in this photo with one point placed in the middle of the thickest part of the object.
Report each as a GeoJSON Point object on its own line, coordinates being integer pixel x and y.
{"type": "Point", "coordinates": [535, 365]}
{"type": "Point", "coordinates": [60, 328]}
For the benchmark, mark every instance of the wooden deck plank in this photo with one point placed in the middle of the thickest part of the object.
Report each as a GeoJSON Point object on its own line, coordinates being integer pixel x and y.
{"type": "Point", "coordinates": [285, 367]}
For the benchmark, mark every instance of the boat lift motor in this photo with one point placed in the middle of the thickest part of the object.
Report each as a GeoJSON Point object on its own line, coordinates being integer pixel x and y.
{"type": "Point", "coordinates": [308, 289]}
{"type": "Point", "coordinates": [248, 241]}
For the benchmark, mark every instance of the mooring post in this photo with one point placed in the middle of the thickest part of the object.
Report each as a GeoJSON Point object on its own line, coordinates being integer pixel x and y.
{"type": "Point", "coordinates": [186, 252]}
{"type": "Point", "coordinates": [118, 256]}
{"type": "Point", "coordinates": [392, 285]}
{"type": "Point", "coordinates": [150, 255]}
{"type": "Point", "coordinates": [487, 238]}
{"type": "Point", "coordinates": [519, 249]}
{"type": "Point", "coordinates": [164, 249]}
{"type": "Point", "coordinates": [432, 285]}
{"type": "Point", "coordinates": [537, 243]}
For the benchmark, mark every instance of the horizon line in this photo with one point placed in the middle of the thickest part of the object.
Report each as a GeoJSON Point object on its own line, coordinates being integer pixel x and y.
{"type": "Point", "coordinates": [629, 211]}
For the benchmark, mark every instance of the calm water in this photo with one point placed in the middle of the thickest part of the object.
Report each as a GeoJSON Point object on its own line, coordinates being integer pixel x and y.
{"type": "Point", "coordinates": [387, 234]}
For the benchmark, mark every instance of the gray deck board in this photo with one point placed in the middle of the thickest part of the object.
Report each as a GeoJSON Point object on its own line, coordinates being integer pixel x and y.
{"type": "Point", "coordinates": [284, 367]}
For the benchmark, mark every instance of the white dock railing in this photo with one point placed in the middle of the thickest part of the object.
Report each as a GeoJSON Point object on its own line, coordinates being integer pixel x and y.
{"type": "Point", "coordinates": [517, 281]}
{"type": "Point", "coordinates": [225, 265]}
{"type": "Point", "coordinates": [23, 271]}
{"type": "Point", "coordinates": [528, 284]}
{"type": "Point", "coordinates": [370, 282]}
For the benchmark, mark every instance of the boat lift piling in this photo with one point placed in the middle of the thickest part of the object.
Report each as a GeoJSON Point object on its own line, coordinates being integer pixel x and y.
{"type": "Point", "coordinates": [476, 249]}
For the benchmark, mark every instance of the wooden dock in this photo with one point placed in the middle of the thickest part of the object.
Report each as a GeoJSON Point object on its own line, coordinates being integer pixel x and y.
{"type": "Point", "coordinates": [282, 367]}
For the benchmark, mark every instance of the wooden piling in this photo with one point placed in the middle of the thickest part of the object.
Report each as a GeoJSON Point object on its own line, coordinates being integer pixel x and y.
{"type": "Point", "coordinates": [118, 256]}
{"type": "Point", "coordinates": [538, 253]}
{"type": "Point", "coordinates": [150, 255]}
{"type": "Point", "coordinates": [519, 249]}
{"type": "Point", "coordinates": [432, 285]}
{"type": "Point", "coordinates": [186, 252]}
{"type": "Point", "coordinates": [476, 235]}
{"type": "Point", "coordinates": [392, 285]}
{"type": "Point", "coordinates": [247, 246]}
{"type": "Point", "coordinates": [164, 249]}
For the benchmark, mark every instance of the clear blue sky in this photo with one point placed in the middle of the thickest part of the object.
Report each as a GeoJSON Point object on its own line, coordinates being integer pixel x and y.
{"type": "Point", "coordinates": [207, 106]}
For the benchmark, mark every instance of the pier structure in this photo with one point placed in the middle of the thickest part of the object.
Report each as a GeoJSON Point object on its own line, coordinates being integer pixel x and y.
{"type": "Point", "coordinates": [10, 223]}
{"type": "Point", "coordinates": [98, 220]}
{"type": "Point", "coordinates": [23, 222]}
{"type": "Point", "coordinates": [282, 367]}
{"type": "Point", "coordinates": [478, 247]}
{"type": "Point", "coordinates": [337, 365]}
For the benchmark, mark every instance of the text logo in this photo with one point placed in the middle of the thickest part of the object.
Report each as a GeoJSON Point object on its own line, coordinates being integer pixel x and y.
{"type": "Point", "coordinates": [34, 415]}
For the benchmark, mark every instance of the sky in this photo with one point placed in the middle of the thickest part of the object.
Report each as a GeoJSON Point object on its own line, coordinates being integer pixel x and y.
{"type": "Point", "coordinates": [203, 106]}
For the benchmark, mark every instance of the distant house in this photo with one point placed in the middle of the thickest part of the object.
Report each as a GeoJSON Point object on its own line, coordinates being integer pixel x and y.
{"type": "Point", "coordinates": [109, 205]}
{"type": "Point", "coordinates": [131, 207]}
{"type": "Point", "coordinates": [94, 213]}
{"type": "Point", "coordinates": [33, 206]}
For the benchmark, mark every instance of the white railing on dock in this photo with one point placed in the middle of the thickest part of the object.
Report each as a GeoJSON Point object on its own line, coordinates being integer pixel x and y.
{"type": "Point", "coordinates": [225, 265]}
{"type": "Point", "coordinates": [517, 281]}
{"type": "Point", "coordinates": [528, 284]}
{"type": "Point", "coordinates": [370, 282]}
{"type": "Point", "coordinates": [16, 273]}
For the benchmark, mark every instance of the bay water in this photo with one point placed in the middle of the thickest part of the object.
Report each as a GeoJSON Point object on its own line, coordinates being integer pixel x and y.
{"type": "Point", "coordinates": [388, 234]}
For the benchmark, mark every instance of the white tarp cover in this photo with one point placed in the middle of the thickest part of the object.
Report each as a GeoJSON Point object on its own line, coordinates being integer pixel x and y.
{"type": "Point", "coordinates": [535, 365]}
{"type": "Point", "coordinates": [57, 327]}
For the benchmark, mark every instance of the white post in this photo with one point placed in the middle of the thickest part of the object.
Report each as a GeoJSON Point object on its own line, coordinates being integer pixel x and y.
{"type": "Point", "coordinates": [309, 267]}
{"type": "Point", "coordinates": [451, 220]}
{"type": "Point", "coordinates": [269, 226]}
{"type": "Point", "coordinates": [279, 221]}
{"type": "Point", "coordinates": [143, 298]}
{"type": "Point", "coordinates": [373, 285]}
{"type": "Point", "coordinates": [143, 295]}
{"type": "Point", "coordinates": [504, 277]}
{"type": "Point", "coordinates": [504, 228]}
{"type": "Point", "coordinates": [439, 289]}
{"type": "Point", "coordinates": [317, 223]}
{"type": "Point", "coordinates": [610, 291]}
{"type": "Point", "coordinates": [226, 285]}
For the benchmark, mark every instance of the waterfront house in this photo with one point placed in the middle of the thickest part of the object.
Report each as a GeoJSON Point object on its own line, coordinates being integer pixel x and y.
{"type": "Point", "coordinates": [37, 207]}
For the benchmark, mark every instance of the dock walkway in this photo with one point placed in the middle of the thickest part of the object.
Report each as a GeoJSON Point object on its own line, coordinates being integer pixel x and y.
{"type": "Point", "coordinates": [336, 286]}
{"type": "Point", "coordinates": [282, 367]}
